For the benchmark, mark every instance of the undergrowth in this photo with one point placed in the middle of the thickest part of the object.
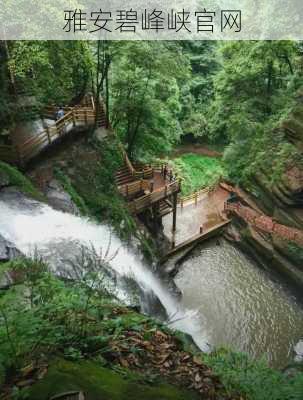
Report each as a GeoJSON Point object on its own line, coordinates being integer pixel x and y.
{"type": "Point", "coordinates": [16, 178]}
{"type": "Point", "coordinates": [254, 379]}
{"type": "Point", "coordinates": [198, 172]}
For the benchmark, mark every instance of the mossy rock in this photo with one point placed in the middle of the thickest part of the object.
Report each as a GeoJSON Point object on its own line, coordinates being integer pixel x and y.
{"type": "Point", "coordinates": [11, 176]}
{"type": "Point", "coordinates": [99, 383]}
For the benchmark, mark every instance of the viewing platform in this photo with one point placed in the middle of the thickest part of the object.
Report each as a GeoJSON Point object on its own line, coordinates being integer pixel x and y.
{"type": "Point", "coordinates": [147, 187]}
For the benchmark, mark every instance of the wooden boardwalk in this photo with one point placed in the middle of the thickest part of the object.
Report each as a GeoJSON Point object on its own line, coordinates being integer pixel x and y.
{"type": "Point", "coordinates": [199, 238]}
{"type": "Point", "coordinates": [26, 145]}
{"type": "Point", "coordinates": [147, 187]}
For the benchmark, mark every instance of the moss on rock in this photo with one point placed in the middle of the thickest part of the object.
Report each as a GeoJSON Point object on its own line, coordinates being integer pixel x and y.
{"type": "Point", "coordinates": [100, 383]}
{"type": "Point", "coordinates": [11, 176]}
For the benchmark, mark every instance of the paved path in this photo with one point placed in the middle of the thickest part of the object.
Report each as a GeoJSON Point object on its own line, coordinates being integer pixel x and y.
{"type": "Point", "coordinates": [207, 213]}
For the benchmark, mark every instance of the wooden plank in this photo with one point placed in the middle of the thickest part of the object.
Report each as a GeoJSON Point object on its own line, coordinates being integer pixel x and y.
{"type": "Point", "coordinates": [195, 239]}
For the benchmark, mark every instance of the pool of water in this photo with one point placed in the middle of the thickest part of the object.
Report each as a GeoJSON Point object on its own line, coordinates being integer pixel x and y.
{"type": "Point", "coordinates": [239, 304]}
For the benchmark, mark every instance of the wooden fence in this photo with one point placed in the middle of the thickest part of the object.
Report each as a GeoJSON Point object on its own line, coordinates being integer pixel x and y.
{"type": "Point", "coordinates": [145, 173]}
{"type": "Point", "coordinates": [265, 223]}
{"type": "Point", "coordinates": [138, 205]}
{"type": "Point", "coordinates": [192, 197]}
{"type": "Point", "coordinates": [130, 190]}
{"type": "Point", "coordinates": [23, 152]}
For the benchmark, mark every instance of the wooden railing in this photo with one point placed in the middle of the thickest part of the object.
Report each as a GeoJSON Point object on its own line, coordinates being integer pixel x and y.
{"type": "Point", "coordinates": [23, 152]}
{"type": "Point", "coordinates": [192, 197]}
{"type": "Point", "coordinates": [130, 190]}
{"type": "Point", "coordinates": [265, 223]}
{"type": "Point", "coordinates": [145, 173]}
{"type": "Point", "coordinates": [138, 205]}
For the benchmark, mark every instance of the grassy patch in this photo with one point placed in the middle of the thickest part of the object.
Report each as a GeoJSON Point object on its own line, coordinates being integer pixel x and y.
{"type": "Point", "coordinates": [16, 178]}
{"type": "Point", "coordinates": [254, 379]}
{"type": "Point", "coordinates": [198, 172]}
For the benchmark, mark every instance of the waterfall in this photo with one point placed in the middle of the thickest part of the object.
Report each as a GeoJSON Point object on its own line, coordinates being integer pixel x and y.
{"type": "Point", "coordinates": [33, 226]}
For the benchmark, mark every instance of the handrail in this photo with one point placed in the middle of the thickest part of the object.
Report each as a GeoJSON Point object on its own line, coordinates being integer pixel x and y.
{"type": "Point", "coordinates": [194, 196]}
{"type": "Point", "coordinates": [33, 145]}
{"type": "Point", "coordinates": [265, 223]}
{"type": "Point", "coordinates": [145, 173]}
{"type": "Point", "coordinates": [140, 204]}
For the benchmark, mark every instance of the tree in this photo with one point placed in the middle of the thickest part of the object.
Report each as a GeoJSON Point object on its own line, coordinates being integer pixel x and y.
{"type": "Point", "coordinates": [145, 86]}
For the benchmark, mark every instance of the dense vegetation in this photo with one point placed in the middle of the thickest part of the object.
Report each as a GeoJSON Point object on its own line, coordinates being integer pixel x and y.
{"type": "Point", "coordinates": [198, 172]}
{"type": "Point", "coordinates": [233, 93]}
{"type": "Point", "coordinates": [75, 321]}
{"type": "Point", "coordinates": [158, 94]}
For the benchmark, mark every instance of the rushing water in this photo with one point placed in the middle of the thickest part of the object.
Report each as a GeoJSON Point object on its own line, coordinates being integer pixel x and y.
{"type": "Point", "coordinates": [33, 226]}
{"type": "Point", "coordinates": [239, 304]}
{"type": "Point", "coordinates": [227, 299]}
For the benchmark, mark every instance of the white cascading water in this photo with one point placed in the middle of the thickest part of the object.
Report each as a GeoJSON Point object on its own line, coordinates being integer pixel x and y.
{"type": "Point", "coordinates": [33, 226]}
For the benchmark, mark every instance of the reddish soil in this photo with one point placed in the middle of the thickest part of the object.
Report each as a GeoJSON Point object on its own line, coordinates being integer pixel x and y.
{"type": "Point", "coordinates": [196, 149]}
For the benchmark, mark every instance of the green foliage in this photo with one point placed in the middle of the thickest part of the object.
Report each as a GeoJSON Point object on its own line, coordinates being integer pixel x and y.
{"type": "Point", "coordinates": [16, 178]}
{"type": "Point", "coordinates": [145, 95]}
{"type": "Point", "coordinates": [254, 378]}
{"type": "Point", "coordinates": [44, 315]}
{"type": "Point", "coordinates": [68, 187]}
{"type": "Point", "coordinates": [53, 71]}
{"type": "Point", "coordinates": [198, 90]}
{"type": "Point", "coordinates": [100, 383]}
{"type": "Point", "coordinates": [253, 91]}
{"type": "Point", "coordinates": [198, 172]}
{"type": "Point", "coordinates": [295, 253]}
{"type": "Point", "coordinates": [93, 181]}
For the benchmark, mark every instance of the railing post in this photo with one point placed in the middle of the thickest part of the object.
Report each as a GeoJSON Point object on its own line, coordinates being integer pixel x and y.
{"type": "Point", "coordinates": [85, 117]}
{"type": "Point", "coordinates": [74, 118]}
{"type": "Point", "coordinates": [175, 200]}
{"type": "Point", "coordinates": [48, 135]}
{"type": "Point", "coordinates": [126, 190]}
{"type": "Point", "coordinates": [19, 156]}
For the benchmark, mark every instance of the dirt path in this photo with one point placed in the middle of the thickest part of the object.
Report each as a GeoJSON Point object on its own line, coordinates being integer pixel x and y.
{"type": "Point", "coordinates": [199, 149]}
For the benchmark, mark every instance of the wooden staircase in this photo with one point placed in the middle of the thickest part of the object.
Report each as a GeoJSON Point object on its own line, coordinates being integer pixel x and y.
{"type": "Point", "coordinates": [101, 116]}
{"type": "Point", "coordinates": [123, 176]}
{"type": "Point", "coordinates": [165, 207]}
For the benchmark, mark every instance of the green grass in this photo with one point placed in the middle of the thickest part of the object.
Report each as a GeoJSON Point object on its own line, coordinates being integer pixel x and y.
{"type": "Point", "coordinates": [16, 178]}
{"type": "Point", "coordinates": [253, 378]}
{"type": "Point", "coordinates": [198, 172]}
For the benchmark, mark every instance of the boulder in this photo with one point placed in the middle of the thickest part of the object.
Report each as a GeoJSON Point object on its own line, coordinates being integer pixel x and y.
{"type": "Point", "coordinates": [8, 251]}
{"type": "Point", "coordinates": [59, 199]}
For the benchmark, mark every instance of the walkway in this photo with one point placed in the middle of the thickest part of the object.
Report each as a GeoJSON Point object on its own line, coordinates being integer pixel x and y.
{"type": "Point", "coordinates": [29, 139]}
{"type": "Point", "coordinates": [208, 212]}
{"type": "Point", "coordinates": [265, 224]}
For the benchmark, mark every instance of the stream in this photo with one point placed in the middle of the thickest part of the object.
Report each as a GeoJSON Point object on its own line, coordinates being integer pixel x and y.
{"type": "Point", "coordinates": [226, 299]}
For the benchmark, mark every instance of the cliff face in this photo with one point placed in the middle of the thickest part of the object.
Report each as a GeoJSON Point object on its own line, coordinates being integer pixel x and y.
{"type": "Point", "coordinates": [280, 203]}
{"type": "Point", "coordinates": [283, 199]}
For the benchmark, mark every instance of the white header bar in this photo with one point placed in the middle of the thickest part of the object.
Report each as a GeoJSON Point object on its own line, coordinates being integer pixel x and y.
{"type": "Point", "coordinates": [151, 20]}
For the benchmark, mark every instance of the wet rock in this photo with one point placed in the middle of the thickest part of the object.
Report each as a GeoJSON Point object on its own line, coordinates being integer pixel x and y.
{"type": "Point", "coordinates": [299, 351]}
{"type": "Point", "coordinates": [4, 180]}
{"type": "Point", "coordinates": [59, 199]}
{"type": "Point", "coordinates": [7, 250]}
